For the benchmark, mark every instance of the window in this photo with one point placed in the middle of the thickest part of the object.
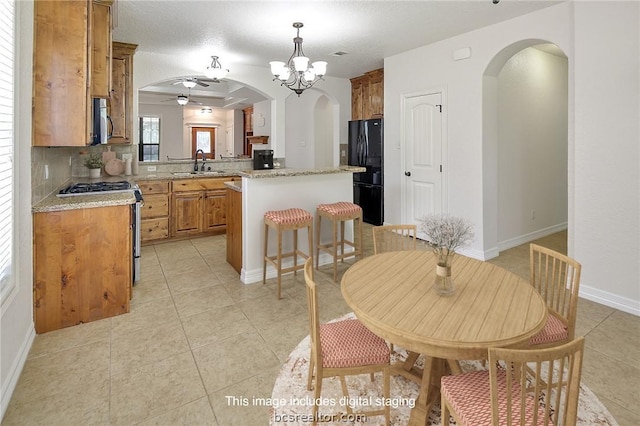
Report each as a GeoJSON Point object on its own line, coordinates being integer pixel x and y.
{"type": "Point", "coordinates": [7, 40]}
{"type": "Point", "coordinates": [149, 139]}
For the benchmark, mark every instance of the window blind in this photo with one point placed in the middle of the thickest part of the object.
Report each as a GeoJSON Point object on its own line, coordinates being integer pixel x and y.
{"type": "Point", "coordinates": [7, 39]}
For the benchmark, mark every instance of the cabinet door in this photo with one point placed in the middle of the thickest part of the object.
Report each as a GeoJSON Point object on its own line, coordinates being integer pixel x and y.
{"type": "Point", "coordinates": [234, 229]}
{"type": "Point", "coordinates": [215, 209]}
{"type": "Point", "coordinates": [357, 99]}
{"type": "Point", "coordinates": [186, 213]}
{"type": "Point", "coordinates": [101, 49]}
{"type": "Point", "coordinates": [376, 94]}
{"type": "Point", "coordinates": [60, 107]}
{"type": "Point", "coordinates": [156, 205]}
{"type": "Point", "coordinates": [117, 102]}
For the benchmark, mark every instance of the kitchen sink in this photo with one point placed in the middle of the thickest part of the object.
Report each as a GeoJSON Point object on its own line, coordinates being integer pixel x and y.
{"type": "Point", "coordinates": [207, 173]}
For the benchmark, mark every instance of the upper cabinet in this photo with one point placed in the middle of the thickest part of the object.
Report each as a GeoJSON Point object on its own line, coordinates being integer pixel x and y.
{"type": "Point", "coordinates": [71, 65]}
{"type": "Point", "coordinates": [367, 95]}
{"type": "Point", "coordinates": [120, 103]}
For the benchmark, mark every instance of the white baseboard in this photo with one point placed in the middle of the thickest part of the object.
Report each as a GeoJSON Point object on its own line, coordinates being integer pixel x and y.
{"type": "Point", "coordinates": [609, 299]}
{"type": "Point", "coordinates": [16, 369]}
{"type": "Point", "coordinates": [523, 239]}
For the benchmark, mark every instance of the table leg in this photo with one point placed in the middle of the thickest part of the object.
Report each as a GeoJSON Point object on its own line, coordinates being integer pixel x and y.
{"type": "Point", "coordinates": [429, 381]}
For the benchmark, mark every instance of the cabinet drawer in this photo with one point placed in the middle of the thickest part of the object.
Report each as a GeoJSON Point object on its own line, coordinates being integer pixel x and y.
{"type": "Point", "coordinates": [155, 206]}
{"type": "Point", "coordinates": [154, 229]}
{"type": "Point", "coordinates": [153, 187]}
{"type": "Point", "coordinates": [198, 184]}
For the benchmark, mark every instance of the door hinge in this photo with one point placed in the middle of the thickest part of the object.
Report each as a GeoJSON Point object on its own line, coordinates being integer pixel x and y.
{"type": "Point", "coordinates": [440, 107]}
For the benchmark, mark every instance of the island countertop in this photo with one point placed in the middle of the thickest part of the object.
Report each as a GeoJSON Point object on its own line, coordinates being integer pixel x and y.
{"type": "Point", "coordinates": [286, 172]}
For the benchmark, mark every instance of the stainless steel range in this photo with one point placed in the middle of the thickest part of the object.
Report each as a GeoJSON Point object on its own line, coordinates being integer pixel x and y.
{"type": "Point", "coordinates": [97, 188]}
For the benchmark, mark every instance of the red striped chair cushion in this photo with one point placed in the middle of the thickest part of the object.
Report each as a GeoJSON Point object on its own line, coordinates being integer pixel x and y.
{"type": "Point", "coordinates": [340, 208]}
{"type": "Point", "coordinates": [288, 216]}
{"type": "Point", "coordinates": [554, 331]}
{"type": "Point", "coordinates": [348, 343]}
{"type": "Point", "coordinates": [469, 395]}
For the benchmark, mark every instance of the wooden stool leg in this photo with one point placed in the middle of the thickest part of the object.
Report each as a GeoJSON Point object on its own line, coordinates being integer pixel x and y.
{"type": "Point", "coordinates": [310, 237]}
{"type": "Point", "coordinates": [318, 240]}
{"type": "Point", "coordinates": [335, 248]}
{"type": "Point", "coordinates": [295, 251]}
{"type": "Point", "coordinates": [342, 223]}
{"type": "Point", "coordinates": [360, 247]}
{"type": "Point", "coordinates": [264, 258]}
{"type": "Point", "coordinates": [279, 260]}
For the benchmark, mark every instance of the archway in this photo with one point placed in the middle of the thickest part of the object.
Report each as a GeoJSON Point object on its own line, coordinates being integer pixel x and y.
{"type": "Point", "coordinates": [525, 144]}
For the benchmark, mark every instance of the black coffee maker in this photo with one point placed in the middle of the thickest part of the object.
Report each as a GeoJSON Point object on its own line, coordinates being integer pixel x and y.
{"type": "Point", "coordinates": [262, 159]}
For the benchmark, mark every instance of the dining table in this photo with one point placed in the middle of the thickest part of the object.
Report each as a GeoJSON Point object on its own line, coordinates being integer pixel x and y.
{"type": "Point", "coordinates": [392, 294]}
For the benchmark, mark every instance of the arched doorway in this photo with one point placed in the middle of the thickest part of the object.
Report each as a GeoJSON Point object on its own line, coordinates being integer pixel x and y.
{"type": "Point", "coordinates": [525, 144]}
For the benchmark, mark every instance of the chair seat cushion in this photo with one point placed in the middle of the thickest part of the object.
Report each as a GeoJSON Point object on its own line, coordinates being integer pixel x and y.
{"type": "Point", "coordinates": [348, 343]}
{"type": "Point", "coordinates": [340, 208]}
{"type": "Point", "coordinates": [469, 395]}
{"type": "Point", "coordinates": [288, 216]}
{"type": "Point", "coordinates": [554, 331]}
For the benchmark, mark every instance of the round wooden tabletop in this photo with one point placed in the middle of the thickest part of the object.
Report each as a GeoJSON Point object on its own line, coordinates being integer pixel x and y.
{"type": "Point", "coordinates": [392, 295]}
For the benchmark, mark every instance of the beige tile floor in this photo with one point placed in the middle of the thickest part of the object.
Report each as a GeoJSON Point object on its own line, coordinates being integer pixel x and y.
{"type": "Point", "coordinates": [196, 336]}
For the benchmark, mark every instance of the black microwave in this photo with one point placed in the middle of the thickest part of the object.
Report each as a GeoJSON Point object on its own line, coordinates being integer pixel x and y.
{"type": "Point", "coordinates": [100, 133]}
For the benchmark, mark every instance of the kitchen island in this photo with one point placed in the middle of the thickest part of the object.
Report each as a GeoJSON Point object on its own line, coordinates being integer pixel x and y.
{"type": "Point", "coordinates": [279, 189]}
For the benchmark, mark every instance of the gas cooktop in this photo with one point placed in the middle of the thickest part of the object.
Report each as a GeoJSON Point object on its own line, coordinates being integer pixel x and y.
{"type": "Point", "coordinates": [95, 188]}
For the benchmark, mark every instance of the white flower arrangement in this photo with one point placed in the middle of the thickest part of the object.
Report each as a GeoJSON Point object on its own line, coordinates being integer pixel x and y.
{"type": "Point", "coordinates": [446, 233]}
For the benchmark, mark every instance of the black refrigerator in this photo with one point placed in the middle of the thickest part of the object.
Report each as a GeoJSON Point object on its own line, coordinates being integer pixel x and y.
{"type": "Point", "coordinates": [366, 150]}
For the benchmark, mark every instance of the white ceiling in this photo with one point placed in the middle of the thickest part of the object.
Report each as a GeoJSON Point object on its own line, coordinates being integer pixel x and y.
{"type": "Point", "coordinates": [256, 32]}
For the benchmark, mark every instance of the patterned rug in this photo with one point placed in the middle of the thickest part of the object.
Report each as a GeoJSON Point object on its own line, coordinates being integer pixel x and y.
{"type": "Point", "coordinates": [291, 400]}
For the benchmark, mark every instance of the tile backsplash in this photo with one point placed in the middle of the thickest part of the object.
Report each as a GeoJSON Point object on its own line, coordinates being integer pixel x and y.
{"type": "Point", "coordinates": [53, 167]}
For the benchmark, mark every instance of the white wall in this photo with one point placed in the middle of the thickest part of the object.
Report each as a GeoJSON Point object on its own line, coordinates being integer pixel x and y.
{"type": "Point", "coordinates": [323, 134]}
{"type": "Point", "coordinates": [16, 308]}
{"type": "Point", "coordinates": [152, 67]}
{"type": "Point", "coordinates": [299, 134]}
{"type": "Point", "coordinates": [170, 128]}
{"type": "Point", "coordinates": [532, 146]}
{"type": "Point", "coordinates": [262, 119]}
{"type": "Point", "coordinates": [607, 158]}
{"type": "Point", "coordinates": [601, 42]}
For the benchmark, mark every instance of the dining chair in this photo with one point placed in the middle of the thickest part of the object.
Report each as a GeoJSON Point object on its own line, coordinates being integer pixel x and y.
{"type": "Point", "coordinates": [556, 277]}
{"type": "Point", "coordinates": [507, 394]}
{"type": "Point", "coordinates": [343, 348]}
{"type": "Point", "coordinates": [394, 238]}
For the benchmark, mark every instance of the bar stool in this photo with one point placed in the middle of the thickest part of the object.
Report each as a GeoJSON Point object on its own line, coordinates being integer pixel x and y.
{"type": "Point", "coordinates": [339, 212]}
{"type": "Point", "coordinates": [286, 220]}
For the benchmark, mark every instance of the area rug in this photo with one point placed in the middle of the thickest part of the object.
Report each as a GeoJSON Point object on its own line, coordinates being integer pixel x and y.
{"type": "Point", "coordinates": [290, 400]}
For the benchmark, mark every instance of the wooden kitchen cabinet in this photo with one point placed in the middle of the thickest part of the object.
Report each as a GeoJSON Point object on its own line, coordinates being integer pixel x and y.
{"type": "Point", "coordinates": [67, 67]}
{"type": "Point", "coordinates": [234, 229]}
{"type": "Point", "coordinates": [120, 103]}
{"type": "Point", "coordinates": [367, 95]}
{"type": "Point", "coordinates": [198, 206]}
{"type": "Point", "coordinates": [82, 265]}
{"type": "Point", "coordinates": [154, 224]}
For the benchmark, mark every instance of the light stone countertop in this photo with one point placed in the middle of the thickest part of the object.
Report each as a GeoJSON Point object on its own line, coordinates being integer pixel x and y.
{"type": "Point", "coordinates": [286, 172]}
{"type": "Point", "coordinates": [235, 185]}
{"type": "Point", "coordinates": [53, 203]}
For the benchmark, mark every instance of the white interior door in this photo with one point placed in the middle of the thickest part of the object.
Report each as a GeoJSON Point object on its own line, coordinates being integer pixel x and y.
{"type": "Point", "coordinates": [423, 186]}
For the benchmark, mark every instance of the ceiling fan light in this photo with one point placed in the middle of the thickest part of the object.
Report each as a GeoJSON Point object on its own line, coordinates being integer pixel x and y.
{"type": "Point", "coordinates": [189, 84]}
{"type": "Point", "coordinates": [320, 68]}
{"type": "Point", "coordinates": [183, 100]}
{"type": "Point", "coordinates": [300, 63]}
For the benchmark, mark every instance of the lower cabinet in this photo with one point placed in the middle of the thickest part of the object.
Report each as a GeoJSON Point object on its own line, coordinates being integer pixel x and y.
{"type": "Point", "coordinates": [82, 265]}
{"type": "Point", "coordinates": [154, 223]}
{"type": "Point", "coordinates": [198, 206]}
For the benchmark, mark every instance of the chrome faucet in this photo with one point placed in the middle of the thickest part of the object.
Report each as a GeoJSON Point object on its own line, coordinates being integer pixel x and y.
{"type": "Point", "coordinates": [204, 158]}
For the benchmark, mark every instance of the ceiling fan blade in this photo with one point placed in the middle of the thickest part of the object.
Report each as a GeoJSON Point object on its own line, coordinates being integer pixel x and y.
{"type": "Point", "coordinates": [200, 83]}
{"type": "Point", "coordinates": [209, 80]}
{"type": "Point", "coordinates": [176, 82]}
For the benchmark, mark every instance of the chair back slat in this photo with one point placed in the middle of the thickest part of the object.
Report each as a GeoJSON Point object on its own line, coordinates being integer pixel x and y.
{"type": "Point", "coordinates": [556, 277]}
{"type": "Point", "coordinates": [314, 320]}
{"type": "Point", "coordinates": [553, 401]}
{"type": "Point", "coordinates": [394, 238]}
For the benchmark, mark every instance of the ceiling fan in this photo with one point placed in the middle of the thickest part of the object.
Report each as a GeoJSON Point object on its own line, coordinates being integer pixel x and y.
{"type": "Point", "coordinates": [183, 100]}
{"type": "Point", "coordinates": [190, 82]}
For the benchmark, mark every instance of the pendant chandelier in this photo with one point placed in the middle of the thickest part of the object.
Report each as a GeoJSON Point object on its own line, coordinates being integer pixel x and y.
{"type": "Point", "coordinates": [215, 70]}
{"type": "Point", "coordinates": [296, 74]}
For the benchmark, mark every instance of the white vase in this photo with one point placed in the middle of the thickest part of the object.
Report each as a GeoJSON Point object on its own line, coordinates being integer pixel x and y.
{"type": "Point", "coordinates": [94, 173]}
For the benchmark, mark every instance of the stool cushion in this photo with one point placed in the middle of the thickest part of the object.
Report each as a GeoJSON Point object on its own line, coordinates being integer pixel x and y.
{"type": "Point", "coordinates": [554, 331]}
{"type": "Point", "coordinates": [348, 343]}
{"type": "Point", "coordinates": [288, 216]}
{"type": "Point", "coordinates": [340, 208]}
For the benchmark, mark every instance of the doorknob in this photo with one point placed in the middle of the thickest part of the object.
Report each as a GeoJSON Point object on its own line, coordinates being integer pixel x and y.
{"type": "Point", "coordinates": [407, 173]}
